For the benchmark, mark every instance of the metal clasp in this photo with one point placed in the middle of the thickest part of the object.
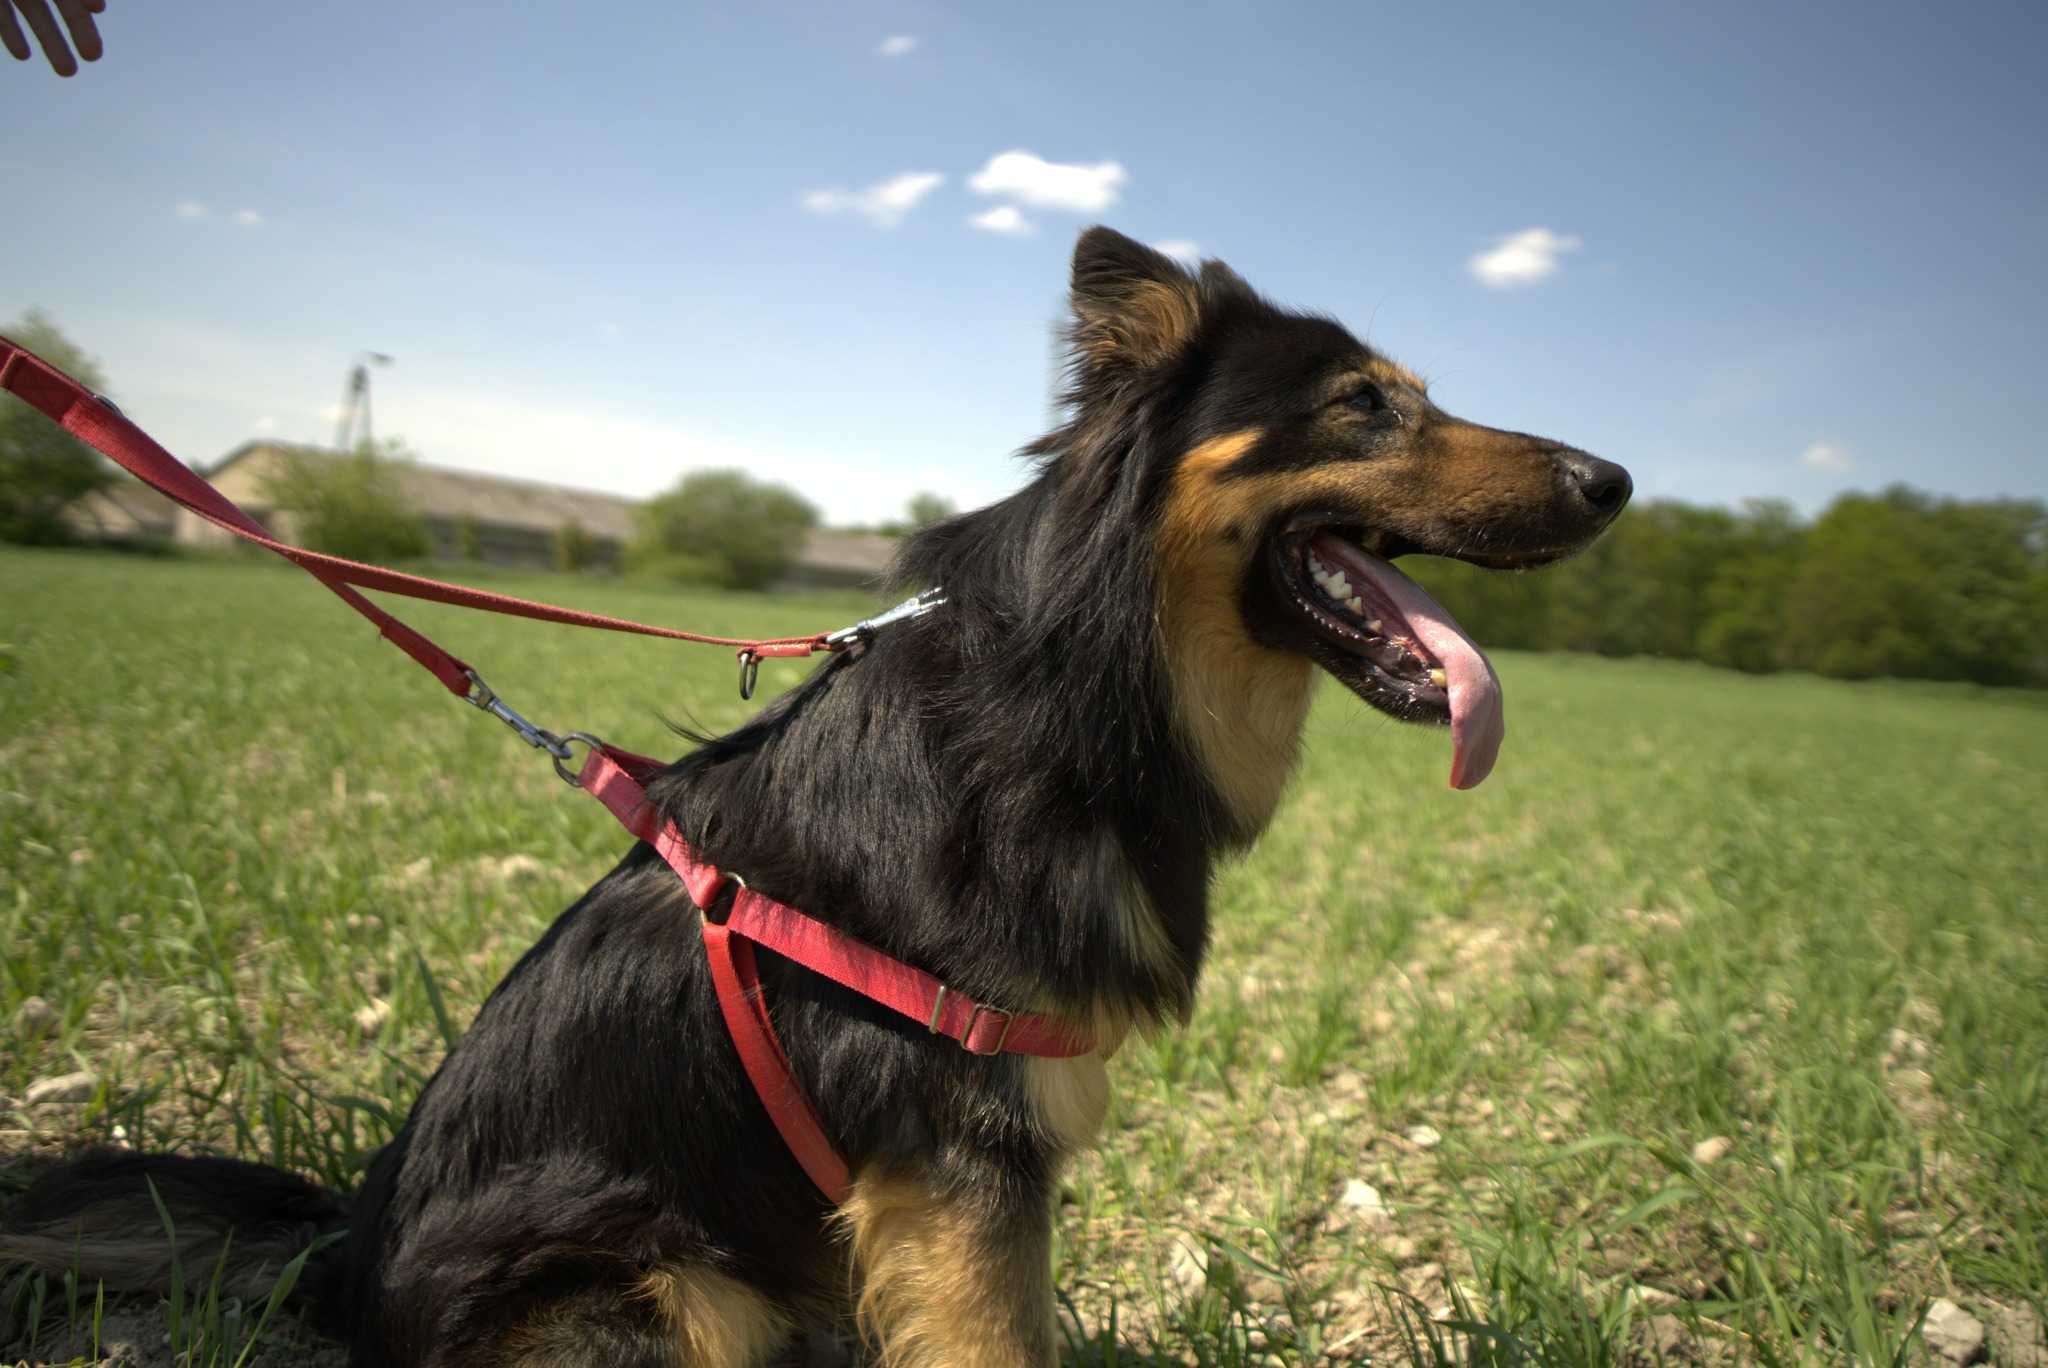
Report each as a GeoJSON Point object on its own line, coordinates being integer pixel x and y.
{"type": "Point", "coordinates": [915, 606]}
{"type": "Point", "coordinates": [484, 697]}
{"type": "Point", "coordinates": [569, 776]}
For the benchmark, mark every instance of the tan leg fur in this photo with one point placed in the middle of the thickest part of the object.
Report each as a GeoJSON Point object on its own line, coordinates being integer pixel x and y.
{"type": "Point", "coordinates": [718, 1323]}
{"type": "Point", "coordinates": [950, 1282]}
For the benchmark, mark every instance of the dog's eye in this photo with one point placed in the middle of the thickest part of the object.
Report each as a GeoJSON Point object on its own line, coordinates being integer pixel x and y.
{"type": "Point", "coordinates": [1368, 399]}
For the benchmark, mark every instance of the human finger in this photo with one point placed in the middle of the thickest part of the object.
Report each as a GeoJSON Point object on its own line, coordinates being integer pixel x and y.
{"type": "Point", "coordinates": [44, 25]}
{"type": "Point", "coordinates": [11, 36]}
{"type": "Point", "coordinates": [85, 35]}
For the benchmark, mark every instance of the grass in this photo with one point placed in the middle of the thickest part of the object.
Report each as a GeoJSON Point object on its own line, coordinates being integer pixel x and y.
{"type": "Point", "coordinates": [1454, 1053]}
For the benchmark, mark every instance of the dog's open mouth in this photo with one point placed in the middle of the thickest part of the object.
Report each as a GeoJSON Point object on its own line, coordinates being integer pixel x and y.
{"type": "Point", "coordinates": [1393, 644]}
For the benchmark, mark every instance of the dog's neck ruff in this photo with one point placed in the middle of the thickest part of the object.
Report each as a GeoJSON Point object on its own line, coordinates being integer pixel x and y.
{"type": "Point", "coordinates": [615, 778]}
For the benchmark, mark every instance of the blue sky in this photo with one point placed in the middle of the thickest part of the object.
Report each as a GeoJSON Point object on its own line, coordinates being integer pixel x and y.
{"type": "Point", "coordinates": [1744, 250]}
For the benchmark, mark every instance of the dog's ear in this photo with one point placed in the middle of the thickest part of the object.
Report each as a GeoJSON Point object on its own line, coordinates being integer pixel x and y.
{"type": "Point", "coordinates": [1133, 306]}
{"type": "Point", "coordinates": [1219, 280]}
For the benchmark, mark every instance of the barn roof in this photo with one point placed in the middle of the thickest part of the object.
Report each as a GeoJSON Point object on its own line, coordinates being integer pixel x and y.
{"type": "Point", "coordinates": [440, 492]}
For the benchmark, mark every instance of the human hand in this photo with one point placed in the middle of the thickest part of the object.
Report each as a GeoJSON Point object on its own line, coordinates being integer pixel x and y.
{"type": "Point", "coordinates": [77, 17]}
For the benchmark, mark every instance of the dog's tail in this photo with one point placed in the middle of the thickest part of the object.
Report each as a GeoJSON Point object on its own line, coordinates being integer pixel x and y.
{"type": "Point", "coordinates": [126, 1220]}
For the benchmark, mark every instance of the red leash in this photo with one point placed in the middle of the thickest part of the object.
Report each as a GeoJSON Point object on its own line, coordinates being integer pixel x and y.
{"type": "Point", "coordinates": [614, 777]}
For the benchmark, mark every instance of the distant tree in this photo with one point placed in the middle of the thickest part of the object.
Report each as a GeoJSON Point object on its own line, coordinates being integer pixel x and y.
{"type": "Point", "coordinates": [721, 527]}
{"type": "Point", "coordinates": [1899, 583]}
{"type": "Point", "coordinates": [926, 509]}
{"type": "Point", "coordinates": [1985, 557]}
{"type": "Point", "coordinates": [44, 469]}
{"type": "Point", "coordinates": [1744, 602]}
{"type": "Point", "coordinates": [351, 505]}
{"type": "Point", "coordinates": [1862, 603]}
{"type": "Point", "coordinates": [575, 548]}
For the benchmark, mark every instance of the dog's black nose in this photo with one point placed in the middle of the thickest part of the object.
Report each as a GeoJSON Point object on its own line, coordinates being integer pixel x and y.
{"type": "Point", "coordinates": [1604, 485]}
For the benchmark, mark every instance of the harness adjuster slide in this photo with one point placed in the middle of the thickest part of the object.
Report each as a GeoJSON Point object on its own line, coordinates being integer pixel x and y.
{"type": "Point", "coordinates": [974, 1017]}
{"type": "Point", "coordinates": [717, 908]}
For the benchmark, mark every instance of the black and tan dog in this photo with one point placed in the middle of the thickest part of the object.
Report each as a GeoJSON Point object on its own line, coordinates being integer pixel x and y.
{"type": "Point", "coordinates": [1024, 793]}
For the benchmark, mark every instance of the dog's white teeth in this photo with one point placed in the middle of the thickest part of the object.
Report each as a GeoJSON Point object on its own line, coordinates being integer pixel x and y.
{"type": "Point", "coordinates": [1375, 626]}
{"type": "Point", "coordinates": [1354, 605]}
{"type": "Point", "coordinates": [1438, 677]}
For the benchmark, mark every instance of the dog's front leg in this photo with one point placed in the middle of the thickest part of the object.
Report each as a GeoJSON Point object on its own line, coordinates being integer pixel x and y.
{"type": "Point", "coordinates": [954, 1267]}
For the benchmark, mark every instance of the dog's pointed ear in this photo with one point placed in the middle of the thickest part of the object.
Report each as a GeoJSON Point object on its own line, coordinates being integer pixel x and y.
{"type": "Point", "coordinates": [1219, 280]}
{"type": "Point", "coordinates": [1133, 306]}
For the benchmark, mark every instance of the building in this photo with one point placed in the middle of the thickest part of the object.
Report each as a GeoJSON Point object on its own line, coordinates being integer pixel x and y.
{"type": "Point", "coordinates": [467, 515]}
{"type": "Point", "coordinates": [842, 560]}
{"type": "Point", "coordinates": [125, 511]}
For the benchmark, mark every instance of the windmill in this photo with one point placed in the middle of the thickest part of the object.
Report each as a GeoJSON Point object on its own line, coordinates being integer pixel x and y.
{"type": "Point", "coordinates": [354, 429]}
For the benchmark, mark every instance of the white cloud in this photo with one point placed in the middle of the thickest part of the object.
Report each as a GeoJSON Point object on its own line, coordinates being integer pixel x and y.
{"type": "Point", "coordinates": [1004, 218]}
{"type": "Point", "coordinates": [611, 332]}
{"type": "Point", "coordinates": [883, 204]}
{"type": "Point", "coordinates": [1032, 180]}
{"type": "Point", "coordinates": [1181, 250]}
{"type": "Point", "coordinates": [332, 413]}
{"type": "Point", "coordinates": [248, 218]}
{"type": "Point", "coordinates": [896, 45]}
{"type": "Point", "coordinates": [1522, 258]}
{"type": "Point", "coordinates": [265, 424]}
{"type": "Point", "coordinates": [190, 209]}
{"type": "Point", "coordinates": [1829, 456]}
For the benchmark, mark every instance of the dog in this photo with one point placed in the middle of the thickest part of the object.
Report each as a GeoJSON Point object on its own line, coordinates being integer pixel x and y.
{"type": "Point", "coordinates": [1024, 793]}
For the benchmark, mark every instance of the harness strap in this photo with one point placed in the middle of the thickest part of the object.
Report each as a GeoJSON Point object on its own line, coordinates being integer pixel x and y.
{"type": "Point", "coordinates": [616, 778]}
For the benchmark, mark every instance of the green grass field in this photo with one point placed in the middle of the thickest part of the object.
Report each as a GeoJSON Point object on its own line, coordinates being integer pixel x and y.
{"type": "Point", "coordinates": [1453, 1057]}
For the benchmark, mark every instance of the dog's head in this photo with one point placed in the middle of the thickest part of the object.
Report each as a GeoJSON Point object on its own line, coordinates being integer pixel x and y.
{"type": "Point", "coordinates": [1284, 465]}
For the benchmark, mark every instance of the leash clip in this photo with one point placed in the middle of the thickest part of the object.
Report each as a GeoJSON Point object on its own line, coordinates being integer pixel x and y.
{"type": "Point", "coordinates": [917, 605]}
{"type": "Point", "coordinates": [484, 697]}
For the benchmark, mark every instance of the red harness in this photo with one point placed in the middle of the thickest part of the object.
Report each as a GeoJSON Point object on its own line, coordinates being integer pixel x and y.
{"type": "Point", "coordinates": [616, 778]}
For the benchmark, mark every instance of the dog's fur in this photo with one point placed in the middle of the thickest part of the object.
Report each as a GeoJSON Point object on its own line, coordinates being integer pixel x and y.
{"type": "Point", "coordinates": [1024, 793]}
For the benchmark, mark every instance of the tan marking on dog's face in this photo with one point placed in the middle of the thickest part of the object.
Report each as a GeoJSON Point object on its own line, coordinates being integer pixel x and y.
{"type": "Point", "coordinates": [1438, 480]}
{"type": "Point", "coordinates": [1392, 375]}
{"type": "Point", "coordinates": [1477, 476]}
{"type": "Point", "coordinates": [1240, 703]}
{"type": "Point", "coordinates": [715, 1319]}
{"type": "Point", "coordinates": [949, 1282]}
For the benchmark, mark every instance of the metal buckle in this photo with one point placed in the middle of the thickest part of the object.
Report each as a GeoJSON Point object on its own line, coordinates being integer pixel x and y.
{"type": "Point", "coordinates": [917, 605]}
{"type": "Point", "coordinates": [717, 895]}
{"type": "Point", "coordinates": [967, 1036]}
{"type": "Point", "coordinates": [569, 776]}
{"type": "Point", "coordinates": [750, 668]}
{"type": "Point", "coordinates": [482, 696]}
{"type": "Point", "coordinates": [974, 1016]}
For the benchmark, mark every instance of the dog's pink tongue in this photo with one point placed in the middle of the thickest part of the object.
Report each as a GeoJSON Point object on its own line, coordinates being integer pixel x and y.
{"type": "Point", "coordinates": [1478, 720]}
